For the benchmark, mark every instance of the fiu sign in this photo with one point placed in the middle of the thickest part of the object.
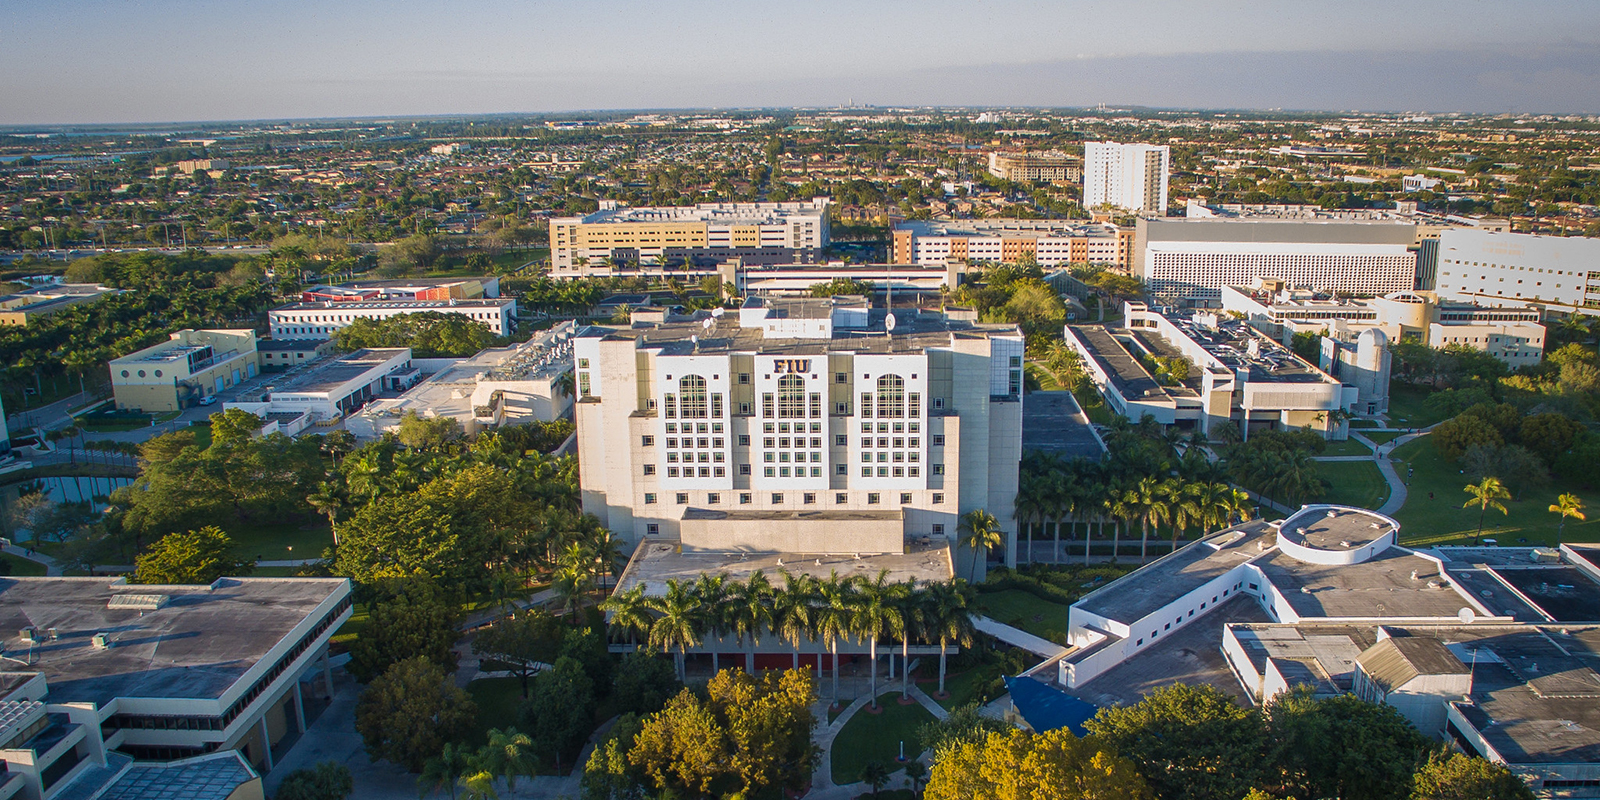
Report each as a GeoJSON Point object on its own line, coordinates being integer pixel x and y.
{"type": "Point", "coordinates": [791, 365]}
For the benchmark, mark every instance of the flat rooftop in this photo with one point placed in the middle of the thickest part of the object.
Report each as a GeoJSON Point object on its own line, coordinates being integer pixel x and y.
{"type": "Point", "coordinates": [289, 345]}
{"type": "Point", "coordinates": [1010, 229]}
{"type": "Point", "coordinates": [403, 305]}
{"type": "Point", "coordinates": [656, 562]}
{"type": "Point", "coordinates": [914, 332]}
{"type": "Point", "coordinates": [1563, 592]}
{"type": "Point", "coordinates": [1188, 655]}
{"type": "Point", "coordinates": [1131, 379]}
{"type": "Point", "coordinates": [1239, 347]}
{"type": "Point", "coordinates": [1134, 596]}
{"type": "Point", "coordinates": [1336, 530]}
{"type": "Point", "coordinates": [196, 646]}
{"type": "Point", "coordinates": [333, 373]}
{"type": "Point", "coordinates": [1296, 231]}
{"type": "Point", "coordinates": [1381, 586]}
{"type": "Point", "coordinates": [1052, 422]}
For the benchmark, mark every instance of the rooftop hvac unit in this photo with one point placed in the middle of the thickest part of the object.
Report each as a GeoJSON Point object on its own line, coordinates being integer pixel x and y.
{"type": "Point", "coordinates": [30, 635]}
{"type": "Point", "coordinates": [100, 641]}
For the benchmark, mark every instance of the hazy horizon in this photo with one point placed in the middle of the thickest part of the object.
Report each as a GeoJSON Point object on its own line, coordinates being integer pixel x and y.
{"type": "Point", "coordinates": [81, 62]}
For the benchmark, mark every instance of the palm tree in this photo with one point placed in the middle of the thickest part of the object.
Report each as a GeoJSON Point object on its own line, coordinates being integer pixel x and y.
{"type": "Point", "coordinates": [327, 500]}
{"type": "Point", "coordinates": [1147, 503]}
{"type": "Point", "coordinates": [477, 783]}
{"type": "Point", "coordinates": [507, 755]}
{"type": "Point", "coordinates": [750, 613]}
{"type": "Point", "coordinates": [1486, 494]}
{"type": "Point", "coordinates": [877, 615]}
{"type": "Point", "coordinates": [444, 769]}
{"type": "Point", "coordinates": [833, 617]}
{"type": "Point", "coordinates": [945, 616]}
{"type": "Point", "coordinates": [908, 602]}
{"type": "Point", "coordinates": [1567, 505]}
{"type": "Point", "coordinates": [678, 626]}
{"type": "Point", "coordinates": [1065, 493]}
{"type": "Point", "coordinates": [1028, 506]}
{"type": "Point", "coordinates": [630, 613]}
{"type": "Point", "coordinates": [712, 592]}
{"type": "Point", "coordinates": [916, 773]}
{"type": "Point", "coordinates": [876, 775]}
{"type": "Point", "coordinates": [980, 532]}
{"type": "Point", "coordinates": [792, 611]}
{"type": "Point", "coordinates": [1183, 508]}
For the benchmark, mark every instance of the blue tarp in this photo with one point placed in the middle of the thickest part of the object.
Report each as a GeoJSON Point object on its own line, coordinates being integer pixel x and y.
{"type": "Point", "coordinates": [1047, 708]}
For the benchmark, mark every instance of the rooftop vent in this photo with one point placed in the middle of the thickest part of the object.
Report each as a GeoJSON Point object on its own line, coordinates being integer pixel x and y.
{"type": "Point", "coordinates": [100, 641]}
{"type": "Point", "coordinates": [1332, 514]}
{"type": "Point", "coordinates": [137, 602]}
{"type": "Point", "coordinates": [30, 635]}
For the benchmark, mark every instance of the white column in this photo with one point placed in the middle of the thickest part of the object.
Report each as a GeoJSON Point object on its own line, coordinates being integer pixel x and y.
{"type": "Point", "coordinates": [266, 745]}
{"type": "Point", "coordinates": [299, 708]}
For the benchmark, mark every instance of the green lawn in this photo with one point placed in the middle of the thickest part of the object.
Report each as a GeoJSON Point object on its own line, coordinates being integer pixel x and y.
{"type": "Point", "coordinates": [17, 565]}
{"type": "Point", "coordinates": [121, 422]}
{"type": "Point", "coordinates": [1406, 409]}
{"type": "Point", "coordinates": [1381, 437]}
{"type": "Point", "coordinates": [1354, 483]}
{"type": "Point", "coordinates": [963, 687]}
{"type": "Point", "coordinates": [1363, 423]}
{"type": "Point", "coordinates": [498, 701]}
{"type": "Point", "coordinates": [1020, 609]}
{"type": "Point", "coordinates": [1442, 520]}
{"type": "Point", "coordinates": [271, 541]}
{"type": "Point", "coordinates": [877, 737]}
{"type": "Point", "coordinates": [1348, 447]}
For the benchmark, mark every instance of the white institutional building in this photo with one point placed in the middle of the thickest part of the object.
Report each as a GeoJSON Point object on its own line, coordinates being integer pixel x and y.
{"type": "Point", "coordinates": [1558, 273]}
{"type": "Point", "coordinates": [1128, 176]}
{"type": "Point", "coordinates": [811, 427]}
{"type": "Point", "coordinates": [599, 242]}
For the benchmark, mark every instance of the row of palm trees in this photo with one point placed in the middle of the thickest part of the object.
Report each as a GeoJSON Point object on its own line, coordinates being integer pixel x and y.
{"type": "Point", "coordinates": [1055, 493]}
{"type": "Point", "coordinates": [798, 609]}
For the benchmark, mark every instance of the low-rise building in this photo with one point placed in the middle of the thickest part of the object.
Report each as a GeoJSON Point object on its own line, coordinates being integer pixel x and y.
{"type": "Point", "coordinates": [1234, 373]}
{"type": "Point", "coordinates": [106, 672]}
{"type": "Point", "coordinates": [405, 289]}
{"type": "Point", "coordinates": [278, 355]}
{"type": "Point", "coordinates": [330, 389]}
{"type": "Point", "coordinates": [1510, 333]}
{"type": "Point", "coordinates": [499, 386]}
{"type": "Point", "coordinates": [1555, 273]}
{"type": "Point", "coordinates": [20, 308]}
{"type": "Point", "coordinates": [1048, 243]}
{"type": "Point", "coordinates": [183, 370]}
{"type": "Point", "coordinates": [319, 320]}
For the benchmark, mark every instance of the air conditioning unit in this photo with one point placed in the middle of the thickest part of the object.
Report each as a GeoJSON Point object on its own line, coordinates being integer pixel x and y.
{"type": "Point", "coordinates": [100, 641]}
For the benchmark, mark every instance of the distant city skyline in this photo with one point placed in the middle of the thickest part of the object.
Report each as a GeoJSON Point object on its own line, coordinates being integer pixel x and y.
{"type": "Point", "coordinates": [86, 61]}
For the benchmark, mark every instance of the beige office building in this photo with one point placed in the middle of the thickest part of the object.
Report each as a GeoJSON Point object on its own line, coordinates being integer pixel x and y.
{"type": "Point", "coordinates": [181, 371]}
{"type": "Point", "coordinates": [590, 244]}
{"type": "Point", "coordinates": [804, 427]}
{"type": "Point", "coordinates": [1048, 243]}
{"type": "Point", "coordinates": [1053, 166]}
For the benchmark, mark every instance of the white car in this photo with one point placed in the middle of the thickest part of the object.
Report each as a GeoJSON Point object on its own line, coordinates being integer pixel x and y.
{"type": "Point", "coordinates": [208, 400]}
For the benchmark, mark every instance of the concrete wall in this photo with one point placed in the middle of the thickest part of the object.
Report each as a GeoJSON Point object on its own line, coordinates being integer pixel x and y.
{"type": "Point", "coordinates": [794, 535]}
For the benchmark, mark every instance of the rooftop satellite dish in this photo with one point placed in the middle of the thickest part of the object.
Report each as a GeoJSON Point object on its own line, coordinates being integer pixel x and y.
{"type": "Point", "coordinates": [707, 323]}
{"type": "Point", "coordinates": [888, 323]}
{"type": "Point", "coordinates": [1466, 616]}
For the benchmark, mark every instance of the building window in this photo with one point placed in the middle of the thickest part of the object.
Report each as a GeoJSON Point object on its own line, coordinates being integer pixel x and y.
{"type": "Point", "coordinates": [938, 498]}
{"type": "Point", "coordinates": [647, 441]}
{"type": "Point", "coordinates": [810, 498]}
{"type": "Point", "coordinates": [840, 469]}
{"type": "Point", "coordinates": [768, 405]}
{"type": "Point", "coordinates": [866, 404]}
{"type": "Point", "coordinates": [938, 469]}
{"type": "Point", "coordinates": [938, 403]}
{"type": "Point", "coordinates": [891, 396]}
{"type": "Point", "coordinates": [777, 498]}
{"type": "Point", "coordinates": [672, 472]}
{"type": "Point", "coordinates": [583, 381]}
{"type": "Point", "coordinates": [712, 498]}
{"type": "Point", "coordinates": [872, 498]}
{"type": "Point", "coordinates": [649, 498]}
{"type": "Point", "coordinates": [744, 409]}
{"type": "Point", "coordinates": [938, 529]}
{"type": "Point", "coordinates": [769, 472]}
{"type": "Point", "coordinates": [840, 377]}
{"type": "Point", "coordinates": [652, 529]}
{"type": "Point", "coordinates": [866, 472]}
{"type": "Point", "coordinates": [744, 498]}
{"type": "Point", "coordinates": [937, 440]}
{"type": "Point", "coordinates": [841, 440]}
{"type": "Point", "coordinates": [744, 440]}
{"type": "Point", "coordinates": [744, 469]}
{"type": "Point", "coordinates": [692, 397]}
{"type": "Point", "coordinates": [744, 378]}
{"type": "Point", "coordinates": [791, 397]}
{"type": "Point", "coordinates": [841, 498]}
{"type": "Point", "coordinates": [905, 498]}
{"type": "Point", "coordinates": [583, 363]}
{"type": "Point", "coordinates": [649, 469]}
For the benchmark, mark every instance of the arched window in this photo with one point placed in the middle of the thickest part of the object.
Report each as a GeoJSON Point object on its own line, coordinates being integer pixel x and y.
{"type": "Point", "coordinates": [692, 397]}
{"type": "Point", "coordinates": [891, 396]}
{"type": "Point", "coordinates": [791, 397]}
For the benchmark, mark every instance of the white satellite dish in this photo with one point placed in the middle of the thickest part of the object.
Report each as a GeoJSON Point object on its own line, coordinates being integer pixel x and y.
{"type": "Point", "coordinates": [888, 323]}
{"type": "Point", "coordinates": [707, 323]}
{"type": "Point", "coordinates": [1466, 615]}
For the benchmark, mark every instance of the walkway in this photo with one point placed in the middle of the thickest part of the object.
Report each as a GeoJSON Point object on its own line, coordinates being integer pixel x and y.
{"type": "Point", "coordinates": [51, 568]}
{"type": "Point", "coordinates": [822, 785]}
{"type": "Point", "coordinates": [1017, 638]}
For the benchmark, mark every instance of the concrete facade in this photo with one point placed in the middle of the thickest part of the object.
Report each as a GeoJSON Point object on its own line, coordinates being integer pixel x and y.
{"type": "Point", "coordinates": [180, 372]}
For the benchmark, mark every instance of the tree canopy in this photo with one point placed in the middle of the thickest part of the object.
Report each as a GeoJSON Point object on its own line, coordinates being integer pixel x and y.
{"type": "Point", "coordinates": [429, 334]}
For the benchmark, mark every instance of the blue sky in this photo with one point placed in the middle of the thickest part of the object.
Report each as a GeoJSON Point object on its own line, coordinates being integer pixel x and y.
{"type": "Point", "coordinates": [80, 61]}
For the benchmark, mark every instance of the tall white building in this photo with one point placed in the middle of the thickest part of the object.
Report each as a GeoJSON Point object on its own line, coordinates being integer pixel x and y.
{"type": "Point", "coordinates": [1557, 273]}
{"type": "Point", "coordinates": [798, 426]}
{"type": "Point", "coordinates": [1128, 176]}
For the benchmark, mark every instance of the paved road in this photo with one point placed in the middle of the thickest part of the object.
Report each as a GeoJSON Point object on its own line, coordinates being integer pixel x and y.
{"type": "Point", "coordinates": [52, 415]}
